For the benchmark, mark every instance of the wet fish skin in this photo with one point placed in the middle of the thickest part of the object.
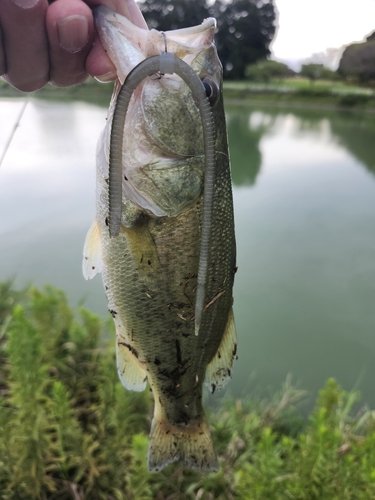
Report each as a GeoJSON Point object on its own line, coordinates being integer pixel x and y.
{"type": "Point", "coordinates": [150, 270]}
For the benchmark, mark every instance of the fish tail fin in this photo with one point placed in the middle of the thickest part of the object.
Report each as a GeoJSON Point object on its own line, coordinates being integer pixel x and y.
{"type": "Point", "coordinates": [190, 444]}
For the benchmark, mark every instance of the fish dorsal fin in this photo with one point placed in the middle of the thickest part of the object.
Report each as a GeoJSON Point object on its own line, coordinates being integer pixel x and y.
{"type": "Point", "coordinates": [92, 252]}
{"type": "Point", "coordinates": [132, 376]}
{"type": "Point", "coordinates": [219, 369]}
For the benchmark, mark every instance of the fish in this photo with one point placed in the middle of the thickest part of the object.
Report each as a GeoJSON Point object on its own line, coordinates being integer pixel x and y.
{"type": "Point", "coordinates": [150, 268]}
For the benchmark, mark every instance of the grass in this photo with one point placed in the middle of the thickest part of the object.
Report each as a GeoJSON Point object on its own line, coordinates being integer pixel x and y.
{"type": "Point", "coordinates": [68, 430]}
{"type": "Point", "coordinates": [295, 84]}
{"type": "Point", "coordinates": [302, 92]}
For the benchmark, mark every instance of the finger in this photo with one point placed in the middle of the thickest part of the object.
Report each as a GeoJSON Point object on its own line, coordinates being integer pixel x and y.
{"type": "Point", "coordinates": [70, 28]}
{"type": "Point", "coordinates": [98, 63]}
{"type": "Point", "coordinates": [25, 43]}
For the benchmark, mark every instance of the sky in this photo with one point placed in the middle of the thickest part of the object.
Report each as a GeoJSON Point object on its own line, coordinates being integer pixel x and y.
{"type": "Point", "coordinates": [311, 26]}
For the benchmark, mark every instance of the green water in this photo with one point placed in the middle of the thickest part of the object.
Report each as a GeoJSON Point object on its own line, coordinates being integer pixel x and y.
{"type": "Point", "coordinates": [304, 192]}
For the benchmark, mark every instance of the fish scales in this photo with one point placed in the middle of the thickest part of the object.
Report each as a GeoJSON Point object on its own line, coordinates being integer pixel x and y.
{"type": "Point", "coordinates": [150, 269]}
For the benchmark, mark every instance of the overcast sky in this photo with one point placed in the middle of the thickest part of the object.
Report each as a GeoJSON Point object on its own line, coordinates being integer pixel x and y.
{"type": "Point", "coordinates": [310, 26]}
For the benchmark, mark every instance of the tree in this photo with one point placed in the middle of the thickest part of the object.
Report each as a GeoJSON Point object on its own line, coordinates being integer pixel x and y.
{"type": "Point", "coordinates": [245, 31]}
{"type": "Point", "coordinates": [245, 27]}
{"type": "Point", "coordinates": [317, 72]}
{"type": "Point", "coordinates": [358, 60]}
{"type": "Point", "coordinates": [265, 70]}
{"type": "Point", "coordinates": [165, 15]}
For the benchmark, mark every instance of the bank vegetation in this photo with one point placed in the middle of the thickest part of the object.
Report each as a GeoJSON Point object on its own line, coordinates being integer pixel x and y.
{"type": "Point", "coordinates": [68, 429]}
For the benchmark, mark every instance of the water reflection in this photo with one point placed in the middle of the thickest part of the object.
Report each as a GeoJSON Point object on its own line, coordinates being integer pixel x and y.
{"type": "Point", "coordinates": [304, 195]}
{"type": "Point", "coordinates": [353, 131]}
{"type": "Point", "coordinates": [244, 146]}
{"type": "Point", "coordinates": [47, 186]}
{"type": "Point", "coordinates": [356, 134]}
{"type": "Point", "coordinates": [306, 251]}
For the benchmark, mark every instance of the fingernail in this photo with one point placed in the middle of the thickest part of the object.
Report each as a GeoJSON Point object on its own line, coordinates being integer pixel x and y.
{"type": "Point", "coordinates": [25, 4]}
{"type": "Point", "coordinates": [107, 77]}
{"type": "Point", "coordinates": [73, 33]}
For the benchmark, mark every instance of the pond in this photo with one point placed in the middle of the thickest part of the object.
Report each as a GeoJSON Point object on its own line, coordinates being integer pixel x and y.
{"type": "Point", "coordinates": [304, 193]}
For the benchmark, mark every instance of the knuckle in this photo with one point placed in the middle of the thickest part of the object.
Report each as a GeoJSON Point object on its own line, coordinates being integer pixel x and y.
{"type": "Point", "coordinates": [29, 85]}
{"type": "Point", "coordinates": [67, 80]}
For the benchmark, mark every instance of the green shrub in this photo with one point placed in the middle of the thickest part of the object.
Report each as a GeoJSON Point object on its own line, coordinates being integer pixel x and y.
{"type": "Point", "coordinates": [266, 70]}
{"type": "Point", "coordinates": [315, 71]}
{"type": "Point", "coordinates": [313, 92]}
{"type": "Point", "coordinates": [350, 100]}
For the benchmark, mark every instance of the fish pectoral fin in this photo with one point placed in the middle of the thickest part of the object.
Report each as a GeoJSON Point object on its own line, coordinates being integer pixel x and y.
{"type": "Point", "coordinates": [190, 444]}
{"type": "Point", "coordinates": [92, 252]}
{"type": "Point", "coordinates": [143, 250]}
{"type": "Point", "coordinates": [131, 374]}
{"type": "Point", "coordinates": [219, 369]}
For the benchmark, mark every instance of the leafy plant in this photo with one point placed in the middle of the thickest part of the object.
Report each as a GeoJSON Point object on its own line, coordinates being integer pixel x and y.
{"type": "Point", "coordinates": [68, 429]}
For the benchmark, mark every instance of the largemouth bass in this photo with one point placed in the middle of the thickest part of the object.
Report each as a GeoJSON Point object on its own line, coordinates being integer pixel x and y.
{"type": "Point", "coordinates": [150, 267]}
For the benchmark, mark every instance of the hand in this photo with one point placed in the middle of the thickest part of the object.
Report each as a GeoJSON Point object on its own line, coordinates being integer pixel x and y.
{"type": "Point", "coordinates": [55, 43]}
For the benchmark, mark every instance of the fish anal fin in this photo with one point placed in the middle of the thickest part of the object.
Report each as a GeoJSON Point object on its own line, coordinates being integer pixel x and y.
{"type": "Point", "coordinates": [133, 377]}
{"type": "Point", "coordinates": [190, 444]}
{"type": "Point", "coordinates": [219, 369]}
{"type": "Point", "coordinates": [92, 252]}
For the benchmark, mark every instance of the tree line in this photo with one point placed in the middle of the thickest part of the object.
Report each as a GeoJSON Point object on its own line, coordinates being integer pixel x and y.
{"type": "Point", "coordinates": [266, 70]}
{"type": "Point", "coordinates": [245, 30]}
{"type": "Point", "coordinates": [356, 65]}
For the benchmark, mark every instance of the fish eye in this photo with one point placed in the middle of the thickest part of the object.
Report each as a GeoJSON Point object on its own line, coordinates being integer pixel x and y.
{"type": "Point", "coordinates": [211, 89]}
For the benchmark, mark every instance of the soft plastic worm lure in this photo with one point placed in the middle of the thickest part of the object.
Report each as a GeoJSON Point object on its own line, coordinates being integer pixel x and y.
{"type": "Point", "coordinates": [165, 63]}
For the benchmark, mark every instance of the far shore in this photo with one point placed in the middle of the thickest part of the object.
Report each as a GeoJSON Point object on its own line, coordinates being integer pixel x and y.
{"type": "Point", "coordinates": [292, 92]}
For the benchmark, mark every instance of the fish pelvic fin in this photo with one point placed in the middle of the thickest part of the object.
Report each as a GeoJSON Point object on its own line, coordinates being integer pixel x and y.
{"type": "Point", "coordinates": [129, 370]}
{"type": "Point", "coordinates": [219, 369]}
{"type": "Point", "coordinates": [189, 444]}
{"type": "Point", "coordinates": [144, 252]}
{"type": "Point", "coordinates": [92, 252]}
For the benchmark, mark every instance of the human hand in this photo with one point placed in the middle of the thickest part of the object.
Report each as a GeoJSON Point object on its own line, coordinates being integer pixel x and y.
{"type": "Point", "coordinates": [55, 43]}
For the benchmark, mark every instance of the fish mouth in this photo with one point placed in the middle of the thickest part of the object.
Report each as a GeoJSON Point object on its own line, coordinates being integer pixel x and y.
{"type": "Point", "coordinates": [207, 24]}
{"type": "Point", "coordinates": [102, 13]}
{"type": "Point", "coordinates": [127, 45]}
